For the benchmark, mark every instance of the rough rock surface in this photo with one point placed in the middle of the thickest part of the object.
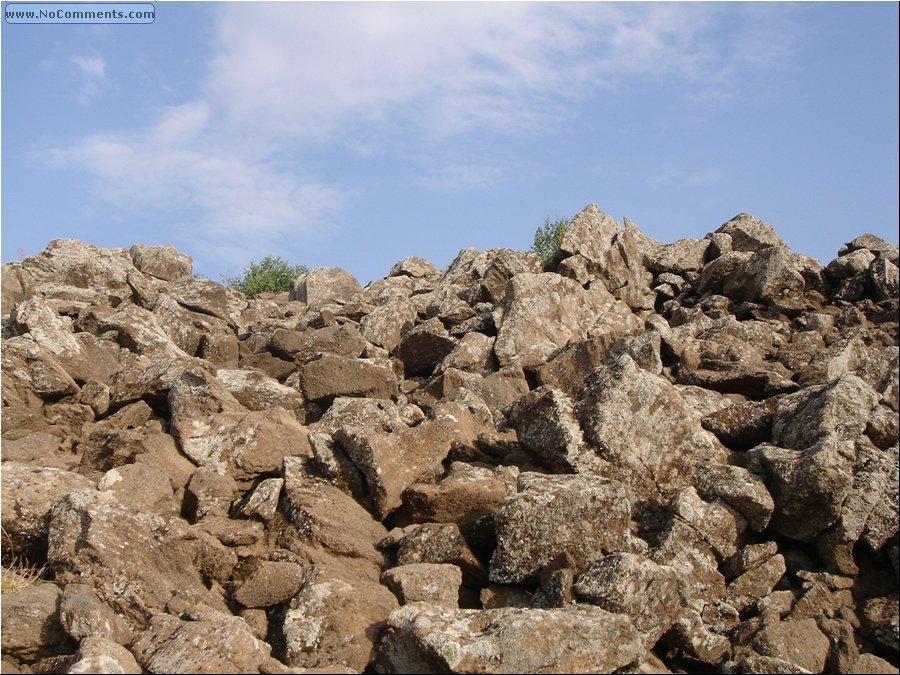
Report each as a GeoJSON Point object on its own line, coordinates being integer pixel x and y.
{"type": "Point", "coordinates": [645, 457]}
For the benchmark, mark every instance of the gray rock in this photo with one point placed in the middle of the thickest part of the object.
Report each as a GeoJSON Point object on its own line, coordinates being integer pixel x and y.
{"type": "Point", "coordinates": [434, 583]}
{"type": "Point", "coordinates": [625, 583]}
{"type": "Point", "coordinates": [31, 627]}
{"type": "Point", "coordinates": [162, 262]}
{"type": "Point", "coordinates": [215, 642]}
{"type": "Point", "coordinates": [839, 408]}
{"type": "Point", "coordinates": [808, 486]}
{"type": "Point", "coordinates": [330, 376]}
{"type": "Point", "coordinates": [583, 516]}
{"type": "Point", "coordinates": [323, 285]}
{"type": "Point", "coordinates": [655, 446]}
{"type": "Point", "coordinates": [749, 233]}
{"type": "Point", "coordinates": [99, 655]}
{"type": "Point", "coordinates": [84, 616]}
{"type": "Point", "coordinates": [545, 423]}
{"type": "Point", "coordinates": [541, 313]}
{"type": "Point", "coordinates": [423, 347]}
{"type": "Point", "coordinates": [423, 638]}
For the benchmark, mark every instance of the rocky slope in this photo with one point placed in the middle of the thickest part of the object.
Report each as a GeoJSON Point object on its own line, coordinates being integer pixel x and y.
{"type": "Point", "coordinates": [651, 458]}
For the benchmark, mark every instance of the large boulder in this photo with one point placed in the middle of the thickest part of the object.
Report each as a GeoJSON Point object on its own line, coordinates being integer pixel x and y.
{"type": "Point", "coordinates": [655, 444]}
{"type": "Point", "coordinates": [541, 313]}
{"type": "Point", "coordinates": [323, 285]}
{"type": "Point", "coordinates": [423, 638]}
{"type": "Point", "coordinates": [583, 517]}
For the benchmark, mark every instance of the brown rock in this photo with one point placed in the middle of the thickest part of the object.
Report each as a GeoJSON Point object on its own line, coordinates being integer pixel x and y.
{"type": "Point", "coordinates": [423, 347]}
{"type": "Point", "coordinates": [330, 376]}
{"type": "Point", "coordinates": [31, 627]}
{"type": "Point", "coordinates": [656, 417]}
{"type": "Point", "coordinates": [84, 616]}
{"type": "Point", "coordinates": [262, 583]}
{"type": "Point", "coordinates": [323, 285]}
{"type": "Point", "coordinates": [434, 583]}
{"type": "Point", "coordinates": [583, 516]}
{"type": "Point", "coordinates": [99, 655]}
{"type": "Point", "coordinates": [625, 583]}
{"type": "Point", "coordinates": [301, 346]}
{"type": "Point", "coordinates": [423, 638]}
{"type": "Point", "coordinates": [798, 642]}
{"type": "Point", "coordinates": [162, 262]}
{"type": "Point", "coordinates": [215, 642]}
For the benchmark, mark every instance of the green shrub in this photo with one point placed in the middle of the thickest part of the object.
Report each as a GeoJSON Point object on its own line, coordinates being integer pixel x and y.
{"type": "Point", "coordinates": [548, 239]}
{"type": "Point", "coordinates": [269, 275]}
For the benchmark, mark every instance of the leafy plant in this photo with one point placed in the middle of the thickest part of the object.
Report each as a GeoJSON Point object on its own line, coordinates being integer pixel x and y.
{"type": "Point", "coordinates": [548, 239]}
{"type": "Point", "coordinates": [269, 275]}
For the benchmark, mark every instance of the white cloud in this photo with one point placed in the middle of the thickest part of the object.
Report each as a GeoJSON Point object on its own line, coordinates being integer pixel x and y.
{"type": "Point", "coordinates": [92, 66]}
{"type": "Point", "coordinates": [456, 177]}
{"type": "Point", "coordinates": [402, 78]}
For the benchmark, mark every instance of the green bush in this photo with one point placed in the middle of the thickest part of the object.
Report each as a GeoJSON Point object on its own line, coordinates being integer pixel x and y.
{"type": "Point", "coordinates": [548, 239]}
{"type": "Point", "coordinates": [269, 275]}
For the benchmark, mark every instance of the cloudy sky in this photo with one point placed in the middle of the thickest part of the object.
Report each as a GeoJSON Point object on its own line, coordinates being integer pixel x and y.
{"type": "Point", "coordinates": [357, 134]}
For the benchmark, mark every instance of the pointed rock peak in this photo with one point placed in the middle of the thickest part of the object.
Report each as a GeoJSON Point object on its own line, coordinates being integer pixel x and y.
{"type": "Point", "coordinates": [750, 234]}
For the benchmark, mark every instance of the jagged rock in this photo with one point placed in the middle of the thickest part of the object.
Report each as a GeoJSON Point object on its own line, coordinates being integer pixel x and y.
{"type": "Point", "coordinates": [327, 517]}
{"type": "Point", "coordinates": [219, 434]}
{"type": "Point", "coordinates": [545, 423]}
{"type": "Point", "coordinates": [808, 486]}
{"type": "Point", "coordinates": [256, 391]}
{"type": "Point", "coordinates": [283, 430]}
{"type": "Point", "coordinates": [211, 642]}
{"type": "Point", "coordinates": [880, 622]}
{"type": "Point", "coordinates": [329, 376]}
{"type": "Point", "coordinates": [162, 262]}
{"type": "Point", "coordinates": [135, 561]}
{"type": "Point", "coordinates": [615, 253]}
{"type": "Point", "coordinates": [98, 655]}
{"type": "Point", "coordinates": [798, 642]}
{"type": "Point", "coordinates": [323, 285]}
{"type": "Point", "coordinates": [464, 495]}
{"type": "Point", "coordinates": [685, 255]}
{"type": "Point", "coordinates": [334, 622]}
{"type": "Point", "coordinates": [262, 501]}
{"type": "Point", "coordinates": [301, 346]}
{"type": "Point", "coordinates": [423, 347]}
{"type": "Point", "coordinates": [208, 493]}
{"type": "Point", "coordinates": [474, 353]}
{"type": "Point", "coordinates": [839, 408]}
{"type": "Point", "coordinates": [28, 493]}
{"type": "Point", "coordinates": [428, 639]}
{"type": "Point", "coordinates": [262, 583]}
{"type": "Point", "coordinates": [413, 267]}
{"type": "Point", "coordinates": [656, 445]}
{"type": "Point", "coordinates": [84, 616]}
{"type": "Point", "coordinates": [625, 583]}
{"type": "Point", "coordinates": [743, 425]}
{"type": "Point", "coordinates": [756, 582]}
{"type": "Point", "coordinates": [434, 583]}
{"type": "Point", "coordinates": [775, 275]}
{"type": "Point", "coordinates": [568, 369]}
{"type": "Point", "coordinates": [691, 636]}
{"type": "Point", "coordinates": [583, 516]}
{"type": "Point", "coordinates": [741, 490]}
{"type": "Point", "coordinates": [141, 487]}
{"type": "Point", "coordinates": [681, 546]}
{"type": "Point", "coordinates": [541, 313]}
{"type": "Point", "coordinates": [876, 245]}
{"type": "Point", "coordinates": [440, 543]}
{"type": "Point", "coordinates": [749, 233]}
{"type": "Point", "coordinates": [387, 323]}
{"type": "Point", "coordinates": [720, 526]}
{"type": "Point", "coordinates": [31, 627]}
{"type": "Point", "coordinates": [393, 462]}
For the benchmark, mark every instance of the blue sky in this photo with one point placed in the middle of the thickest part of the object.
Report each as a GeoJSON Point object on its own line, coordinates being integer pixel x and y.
{"type": "Point", "coordinates": [354, 135]}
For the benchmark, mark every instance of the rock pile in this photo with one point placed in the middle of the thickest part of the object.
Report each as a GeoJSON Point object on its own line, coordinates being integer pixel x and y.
{"type": "Point", "coordinates": [646, 458]}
